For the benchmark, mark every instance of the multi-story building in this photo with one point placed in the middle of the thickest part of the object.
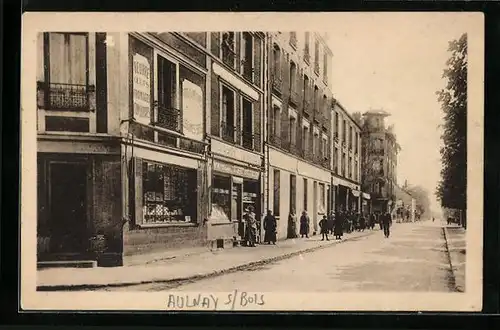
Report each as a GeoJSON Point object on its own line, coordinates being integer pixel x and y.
{"type": "Point", "coordinates": [298, 144]}
{"type": "Point", "coordinates": [346, 169]}
{"type": "Point", "coordinates": [236, 85]}
{"type": "Point", "coordinates": [380, 150]}
{"type": "Point", "coordinates": [143, 137]}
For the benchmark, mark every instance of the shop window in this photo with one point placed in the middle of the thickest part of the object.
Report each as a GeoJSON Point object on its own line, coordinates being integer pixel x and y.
{"type": "Point", "coordinates": [305, 194]}
{"type": "Point", "coordinates": [247, 60]}
{"type": "Point", "coordinates": [168, 116]}
{"type": "Point", "coordinates": [228, 114]}
{"type": "Point", "coordinates": [293, 192]}
{"type": "Point", "coordinates": [66, 71]}
{"type": "Point", "coordinates": [169, 194]}
{"type": "Point", "coordinates": [221, 198]}
{"type": "Point", "coordinates": [276, 201]}
{"type": "Point", "coordinates": [247, 132]}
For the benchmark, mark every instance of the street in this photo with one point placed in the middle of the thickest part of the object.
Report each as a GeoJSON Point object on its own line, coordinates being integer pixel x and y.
{"type": "Point", "coordinates": [413, 258]}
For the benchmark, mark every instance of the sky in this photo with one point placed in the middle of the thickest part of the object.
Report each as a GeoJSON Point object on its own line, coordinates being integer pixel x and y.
{"type": "Point", "coordinates": [396, 64]}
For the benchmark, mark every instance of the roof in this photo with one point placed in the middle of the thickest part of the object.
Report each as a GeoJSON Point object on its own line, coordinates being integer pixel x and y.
{"type": "Point", "coordinates": [336, 102]}
{"type": "Point", "coordinates": [377, 113]}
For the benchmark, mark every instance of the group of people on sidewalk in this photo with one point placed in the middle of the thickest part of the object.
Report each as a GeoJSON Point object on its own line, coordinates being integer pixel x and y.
{"type": "Point", "coordinates": [335, 223]}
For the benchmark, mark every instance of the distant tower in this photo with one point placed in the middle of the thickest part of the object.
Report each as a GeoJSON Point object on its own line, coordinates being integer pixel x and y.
{"type": "Point", "coordinates": [379, 159]}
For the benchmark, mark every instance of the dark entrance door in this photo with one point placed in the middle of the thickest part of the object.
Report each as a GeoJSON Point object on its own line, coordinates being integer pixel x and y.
{"type": "Point", "coordinates": [68, 209]}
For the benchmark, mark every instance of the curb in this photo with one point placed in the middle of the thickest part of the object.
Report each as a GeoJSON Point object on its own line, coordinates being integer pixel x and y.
{"type": "Point", "coordinates": [453, 283]}
{"type": "Point", "coordinates": [180, 280]}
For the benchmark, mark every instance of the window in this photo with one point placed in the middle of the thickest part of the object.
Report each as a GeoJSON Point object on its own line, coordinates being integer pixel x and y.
{"type": "Point", "coordinates": [168, 116]}
{"type": "Point", "coordinates": [227, 47]}
{"type": "Point", "coordinates": [247, 131]}
{"type": "Point", "coordinates": [316, 98]}
{"type": "Point", "coordinates": [293, 39]}
{"type": "Point", "coordinates": [276, 62]}
{"type": "Point", "coordinates": [325, 148]}
{"type": "Point", "coordinates": [66, 85]}
{"type": "Point", "coordinates": [316, 57]}
{"type": "Point", "coordinates": [293, 192]}
{"type": "Point", "coordinates": [325, 67]}
{"type": "Point", "coordinates": [343, 164]}
{"type": "Point", "coordinates": [292, 76]}
{"type": "Point", "coordinates": [305, 139]}
{"type": "Point", "coordinates": [293, 131]}
{"type": "Point", "coordinates": [275, 128]}
{"type": "Point", "coordinates": [305, 194]}
{"type": "Point", "coordinates": [221, 198]}
{"type": "Point", "coordinates": [276, 202]}
{"type": "Point", "coordinates": [228, 114]}
{"type": "Point", "coordinates": [335, 160]}
{"type": "Point", "coordinates": [344, 133]}
{"type": "Point", "coordinates": [355, 170]}
{"type": "Point", "coordinates": [350, 167]}
{"type": "Point", "coordinates": [315, 144]}
{"type": "Point", "coordinates": [356, 143]}
{"type": "Point", "coordinates": [306, 46]}
{"type": "Point", "coordinates": [306, 88]}
{"type": "Point", "coordinates": [247, 52]}
{"type": "Point", "coordinates": [350, 137]}
{"type": "Point", "coordinates": [169, 193]}
{"type": "Point", "coordinates": [337, 124]}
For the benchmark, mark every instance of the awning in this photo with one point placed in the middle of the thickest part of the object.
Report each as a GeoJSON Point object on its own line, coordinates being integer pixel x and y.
{"type": "Point", "coordinates": [366, 196]}
{"type": "Point", "coordinates": [356, 193]}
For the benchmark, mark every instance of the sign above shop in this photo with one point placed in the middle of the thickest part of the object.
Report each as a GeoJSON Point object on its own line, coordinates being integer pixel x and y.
{"type": "Point", "coordinates": [235, 170]}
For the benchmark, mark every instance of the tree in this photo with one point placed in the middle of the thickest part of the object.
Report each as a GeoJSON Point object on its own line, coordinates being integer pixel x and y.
{"type": "Point", "coordinates": [357, 117]}
{"type": "Point", "coordinates": [451, 190]}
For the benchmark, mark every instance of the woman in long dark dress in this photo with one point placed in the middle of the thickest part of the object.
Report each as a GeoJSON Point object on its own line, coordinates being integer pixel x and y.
{"type": "Point", "coordinates": [338, 229]}
{"type": "Point", "coordinates": [304, 225]}
{"type": "Point", "coordinates": [270, 228]}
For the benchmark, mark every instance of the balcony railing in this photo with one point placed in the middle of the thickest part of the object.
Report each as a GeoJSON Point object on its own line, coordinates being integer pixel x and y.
{"type": "Point", "coordinates": [247, 140]}
{"type": "Point", "coordinates": [325, 162]}
{"type": "Point", "coordinates": [227, 132]}
{"type": "Point", "coordinates": [168, 139]}
{"type": "Point", "coordinates": [169, 118]}
{"type": "Point", "coordinates": [277, 83]}
{"type": "Point", "coordinates": [307, 154]}
{"type": "Point", "coordinates": [70, 97]}
{"type": "Point", "coordinates": [290, 146]}
{"type": "Point", "coordinates": [275, 140]}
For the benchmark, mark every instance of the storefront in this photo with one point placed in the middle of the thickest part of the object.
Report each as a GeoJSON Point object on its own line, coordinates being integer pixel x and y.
{"type": "Point", "coordinates": [366, 203]}
{"type": "Point", "coordinates": [234, 189]}
{"type": "Point", "coordinates": [355, 200]}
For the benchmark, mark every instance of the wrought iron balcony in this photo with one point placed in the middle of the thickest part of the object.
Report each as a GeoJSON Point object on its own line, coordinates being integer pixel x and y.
{"type": "Point", "coordinates": [169, 118]}
{"type": "Point", "coordinates": [275, 140]}
{"type": "Point", "coordinates": [247, 140]}
{"type": "Point", "coordinates": [277, 83]}
{"type": "Point", "coordinates": [227, 132]}
{"type": "Point", "coordinates": [68, 97]}
{"type": "Point", "coordinates": [290, 146]}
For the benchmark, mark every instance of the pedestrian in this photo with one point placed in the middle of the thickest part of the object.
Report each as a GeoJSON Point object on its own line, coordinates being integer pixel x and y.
{"type": "Point", "coordinates": [432, 219]}
{"type": "Point", "coordinates": [338, 229]}
{"type": "Point", "coordinates": [372, 221]}
{"type": "Point", "coordinates": [251, 224]}
{"type": "Point", "coordinates": [323, 225]}
{"type": "Point", "coordinates": [304, 225]}
{"type": "Point", "coordinates": [331, 222]}
{"type": "Point", "coordinates": [386, 223]}
{"type": "Point", "coordinates": [379, 219]}
{"type": "Point", "coordinates": [270, 228]}
{"type": "Point", "coordinates": [362, 222]}
{"type": "Point", "coordinates": [292, 225]}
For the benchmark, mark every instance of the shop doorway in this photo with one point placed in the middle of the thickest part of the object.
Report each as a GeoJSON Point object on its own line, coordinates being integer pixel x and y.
{"type": "Point", "coordinates": [237, 210]}
{"type": "Point", "coordinates": [68, 209]}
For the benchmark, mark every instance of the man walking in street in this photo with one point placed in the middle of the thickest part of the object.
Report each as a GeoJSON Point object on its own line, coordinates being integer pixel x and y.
{"type": "Point", "coordinates": [386, 223]}
{"type": "Point", "coordinates": [270, 228]}
{"type": "Point", "coordinates": [323, 224]}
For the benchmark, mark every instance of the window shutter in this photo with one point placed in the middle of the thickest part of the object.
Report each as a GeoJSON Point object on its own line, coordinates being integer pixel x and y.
{"type": "Point", "coordinates": [215, 43]}
{"type": "Point", "coordinates": [138, 191]}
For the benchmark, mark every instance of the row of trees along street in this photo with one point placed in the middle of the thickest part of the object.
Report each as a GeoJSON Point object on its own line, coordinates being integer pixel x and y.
{"type": "Point", "coordinates": [451, 190]}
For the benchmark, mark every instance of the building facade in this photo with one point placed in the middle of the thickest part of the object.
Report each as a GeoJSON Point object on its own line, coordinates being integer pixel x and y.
{"type": "Point", "coordinates": [405, 205]}
{"type": "Point", "coordinates": [299, 127]}
{"type": "Point", "coordinates": [380, 150]}
{"type": "Point", "coordinates": [146, 141]}
{"type": "Point", "coordinates": [346, 161]}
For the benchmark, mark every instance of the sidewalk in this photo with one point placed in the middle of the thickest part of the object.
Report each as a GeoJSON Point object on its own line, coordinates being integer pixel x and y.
{"type": "Point", "coordinates": [455, 238]}
{"type": "Point", "coordinates": [194, 266]}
